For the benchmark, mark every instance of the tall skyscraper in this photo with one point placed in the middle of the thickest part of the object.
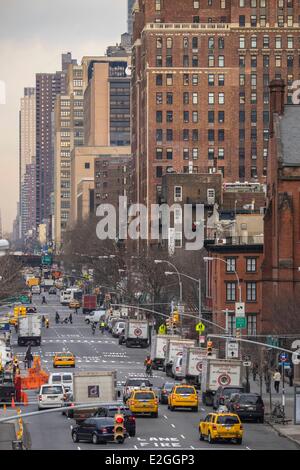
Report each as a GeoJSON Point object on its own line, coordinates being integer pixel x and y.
{"type": "Point", "coordinates": [48, 87]}
{"type": "Point", "coordinates": [130, 5]}
{"type": "Point", "coordinates": [68, 121]}
{"type": "Point", "coordinates": [200, 78]}
{"type": "Point", "coordinates": [27, 149]}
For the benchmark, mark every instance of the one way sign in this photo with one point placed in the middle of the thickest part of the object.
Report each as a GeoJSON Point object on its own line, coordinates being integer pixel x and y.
{"type": "Point", "coordinates": [240, 309]}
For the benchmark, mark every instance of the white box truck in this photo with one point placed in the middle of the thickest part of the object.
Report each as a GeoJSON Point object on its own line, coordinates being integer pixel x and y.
{"type": "Point", "coordinates": [159, 349]}
{"type": "Point", "coordinates": [192, 359]}
{"type": "Point", "coordinates": [174, 350]}
{"type": "Point", "coordinates": [93, 388]}
{"type": "Point", "coordinates": [219, 372]}
{"type": "Point", "coordinates": [30, 330]}
{"type": "Point", "coordinates": [137, 333]}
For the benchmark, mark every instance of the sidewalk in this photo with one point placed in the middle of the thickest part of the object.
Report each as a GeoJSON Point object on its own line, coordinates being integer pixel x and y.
{"type": "Point", "coordinates": [290, 431]}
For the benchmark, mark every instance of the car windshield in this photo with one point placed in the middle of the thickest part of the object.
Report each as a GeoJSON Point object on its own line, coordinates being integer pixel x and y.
{"type": "Point", "coordinates": [56, 378]}
{"type": "Point", "coordinates": [252, 399]}
{"type": "Point", "coordinates": [168, 386]}
{"type": "Point", "coordinates": [137, 383]}
{"type": "Point", "coordinates": [144, 396]}
{"type": "Point", "coordinates": [65, 355]}
{"type": "Point", "coordinates": [112, 411]}
{"type": "Point", "coordinates": [185, 391]}
{"type": "Point", "coordinates": [67, 378]}
{"type": "Point", "coordinates": [52, 390]}
{"type": "Point", "coordinates": [227, 420]}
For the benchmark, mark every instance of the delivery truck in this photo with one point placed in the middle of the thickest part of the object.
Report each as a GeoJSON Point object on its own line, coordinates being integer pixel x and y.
{"type": "Point", "coordinates": [219, 372]}
{"type": "Point", "coordinates": [159, 348]}
{"type": "Point", "coordinates": [137, 333]}
{"type": "Point", "coordinates": [192, 359]}
{"type": "Point", "coordinates": [92, 388]}
{"type": "Point", "coordinates": [30, 330]}
{"type": "Point", "coordinates": [174, 350]}
{"type": "Point", "coordinates": [89, 303]}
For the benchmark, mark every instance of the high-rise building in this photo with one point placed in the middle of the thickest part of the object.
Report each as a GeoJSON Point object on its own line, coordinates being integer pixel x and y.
{"type": "Point", "coordinates": [48, 86]}
{"type": "Point", "coordinates": [68, 118]}
{"type": "Point", "coordinates": [27, 148]}
{"type": "Point", "coordinates": [106, 124]}
{"type": "Point", "coordinates": [200, 77]}
{"type": "Point", "coordinates": [130, 5]}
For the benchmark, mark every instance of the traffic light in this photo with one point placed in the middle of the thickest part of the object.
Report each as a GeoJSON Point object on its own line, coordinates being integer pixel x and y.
{"type": "Point", "coordinates": [23, 310]}
{"type": "Point", "coordinates": [16, 311]}
{"type": "Point", "coordinates": [175, 317]}
{"type": "Point", "coordinates": [209, 347]}
{"type": "Point", "coordinates": [119, 429]}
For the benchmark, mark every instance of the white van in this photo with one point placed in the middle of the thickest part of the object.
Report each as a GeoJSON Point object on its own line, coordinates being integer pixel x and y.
{"type": "Point", "coordinates": [35, 289]}
{"type": "Point", "coordinates": [118, 328]}
{"type": "Point", "coordinates": [95, 316]}
{"type": "Point", "coordinates": [51, 396]}
{"type": "Point", "coordinates": [177, 372]}
{"type": "Point", "coordinates": [63, 378]}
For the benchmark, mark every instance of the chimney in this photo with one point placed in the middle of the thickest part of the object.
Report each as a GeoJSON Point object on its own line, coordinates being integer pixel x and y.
{"type": "Point", "coordinates": [277, 87]}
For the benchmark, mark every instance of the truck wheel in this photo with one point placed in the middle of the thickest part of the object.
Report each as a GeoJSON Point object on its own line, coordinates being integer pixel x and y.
{"type": "Point", "coordinates": [210, 439]}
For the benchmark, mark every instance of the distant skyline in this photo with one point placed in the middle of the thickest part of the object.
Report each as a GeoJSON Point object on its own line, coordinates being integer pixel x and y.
{"type": "Point", "coordinates": [33, 35]}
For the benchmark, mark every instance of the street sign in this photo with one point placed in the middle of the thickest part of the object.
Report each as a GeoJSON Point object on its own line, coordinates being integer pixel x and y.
{"type": "Point", "coordinates": [247, 364]}
{"type": "Point", "coordinates": [240, 309]}
{"type": "Point", "coordinates": [283, 357]}
{"type": "Point", "coordinates": [200, 327]}
{"type": "Point", "coordinates": [232, 350]}
{"type": "Point", "coordinates": [202, 339]}
{"type": "Point", "coordinates": [241, 322]}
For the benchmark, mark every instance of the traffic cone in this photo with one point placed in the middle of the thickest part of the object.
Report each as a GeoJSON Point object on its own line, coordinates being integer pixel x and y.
{"type": "Point", "coordinates": [4, 408]}
{"type": "Point", "coordinates": [25, 399]}
{"type": "Point", "coordinates": [13, 405]}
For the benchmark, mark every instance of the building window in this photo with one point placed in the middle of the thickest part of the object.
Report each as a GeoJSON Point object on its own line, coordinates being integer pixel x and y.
{"type": "Point", "coordinates": [253, 20]}
{"type": "Point", "coordinates": [186, 116]}
{"type": "Point", "coordinates": [159, 154]}
{"type": "Point", "coordinates": [230, 265]}
{"type": "Point", "coordinates": [221, 117]}
{"type": "Point", "coordinates": [221, 153]}
{"type": "Point", "coordinates": [221, 61]}
{"type": "Point", "coordinates": [186, 61]}
{"type": "Point", "coordinates": [169, 116]}
{"type": "Point", "coordinates": [211, 43]}
{"type": "Point", "coordinates": [211, 135]}
{"type": "Point", "coordinates": [159, 61]}
{"type": "Point", "coordinates": [194, 43]}
{"type": "Point", "coordinates": [186, 96]}
{"type": "Point", "coordinates": [221, 43]}
{"type": "Point", "coordinates": [186, 79]}
{"type": "Point", "coordinates": [251, 291]}
{"type": "Point", "coordinates": [195, 153]}
{"type": "Point", "coordinates": [159, 42]}
{"type": "Point", "coordinates": [158, 116]}
{"type": "Point", "coordinates": [211, 98]}
{"type": "Point", "coordinates": [253, 42]}
{"type": "Point", "coordinates": [290, 42]}
{"type": "Point", "coordinates": [253, 97]}
{"type": "Point", "coordinates": [211, 79]}
{"type": "Point", "coordinates": [169, 43]}
{"type": "Point", "coordinates": [266, 61]}
{"type": "Point", "coordinates": [159, 80]}
{"type": "Point", "coordinates": [278, 42]}
{"type": "Point", "coordinates": [211, 154]}
{"type": "Point", "coordinates": [169, 98]}
{"type": "Point", "coordinates": [169, 78]}
{"type": "Point", "coordinates": [253, 61]}
{"type": "Point", "coordinates": [251, 325]}
{"type": "Point", "coordinates": [221, 135]}
{"type": "Point", "coordinates": [242, 79]}
{"type": "Point", "coordinates": [211, 117]}
{"type": "Point", "coordinates": [159, 98]}
{"type": "Point", "coordinates": [169, 154]}
{"type": "Point", "coordinates": [290, 61]}
{"type": "Point", "coordinates": [242, 42]}
{"type": "Point", "coordinates": [185, 43]}
{"type": "Point", "coordinates": [186, 154]}
{"type": "Point", "coordinates": [266, 42]}
{"type": "Point", "coordinates": [242, 20]}
{"type": "Point", "coordinates": [221, 98]}
{"type": "Point", "coordinates": [157, 5]}
{"type": "Point", "coordinates": [211, 61]}
{"type": "Point", "coordinates": [178, 193]}
{"type": "Point", "coordinates": [251, 265]}
{"type": "Point", "coordinates": [221, 79]}
{"type": "Point", "coordinates": [186, 134]}
{"type": "Point", "coordinates": [230, 291]}
{"type": "Point", "coordinates": [87, 166]}
{"type": "Point", "coordinates": [169, 135]}
{"type": "Point", "coordinates": [195, 98]}
{"type": "Point", "coordinates": [159, 135]}
{"type": "Point", "coordinates": [158, 171]}
{"type": "Point", "coordinates": [195, 116]}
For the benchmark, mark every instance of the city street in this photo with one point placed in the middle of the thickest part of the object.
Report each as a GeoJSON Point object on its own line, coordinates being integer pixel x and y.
{"type": "Point", "coordinates": [172, 430]}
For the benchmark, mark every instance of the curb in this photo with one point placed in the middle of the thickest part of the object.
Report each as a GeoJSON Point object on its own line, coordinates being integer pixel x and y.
{"type": "Point", "coordinates": [273, 426]}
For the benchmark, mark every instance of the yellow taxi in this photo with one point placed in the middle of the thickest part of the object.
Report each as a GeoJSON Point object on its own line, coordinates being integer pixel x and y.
{"type": "Point", "coordinates": [143, 401]}
{"type": "Point", "coordinates": [74, 304]}
{"type": "Point", "coordinates": [183, 396]}
{"type": "Point", "coordinates": [221, 426]}
{"type": "Point", "coordinates": [64, 359]}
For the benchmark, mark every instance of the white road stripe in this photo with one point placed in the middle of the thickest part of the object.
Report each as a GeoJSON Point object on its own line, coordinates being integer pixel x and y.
{"type": "Point", "coordinates": [192, 447]}
{"type": "Point", "coordinates": [248, 448]}
{"type": "Point", "coordinates": [181, 435]}
{"type": "Point", "coordinates": [135, 447]}
{"type": "Point", "coordinates": [173, 426]}
{"type": "Point", "coordinates": [78, 448]}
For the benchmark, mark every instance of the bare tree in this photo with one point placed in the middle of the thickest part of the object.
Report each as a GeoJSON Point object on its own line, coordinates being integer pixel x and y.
{"type": "Point", "coordinates": [10, 277]}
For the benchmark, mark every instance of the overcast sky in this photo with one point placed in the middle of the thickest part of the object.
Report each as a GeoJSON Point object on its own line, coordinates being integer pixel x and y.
{"type": "Point", "coordinates": [33, 34]}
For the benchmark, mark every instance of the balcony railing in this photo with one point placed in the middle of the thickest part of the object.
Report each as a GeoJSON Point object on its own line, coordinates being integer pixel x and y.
{"type": "Point", "coordinates": [192, 26]}
{"type": "Point", "coordinates": [241, 240]}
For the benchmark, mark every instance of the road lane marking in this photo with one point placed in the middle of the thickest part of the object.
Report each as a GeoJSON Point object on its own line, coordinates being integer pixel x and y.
{"type": "Point", "coordinates": [78, 448]}
{"type": "Point", "coordinates": [248, 448]}
{"type": "Point", "coordinates": [192, 447]}
{"type": "Point", "coordinates": [173, 425]}
{"type": "Point", "coordinates": [181, 435]}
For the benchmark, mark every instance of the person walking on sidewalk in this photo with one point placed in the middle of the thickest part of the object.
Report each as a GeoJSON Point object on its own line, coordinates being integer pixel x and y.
{"type": "Point", "coordinates": [277, 379]}
{"type": "Point", "coordinates": [254, 371]}
{"type": "Point", "coordinates": [291, 377]}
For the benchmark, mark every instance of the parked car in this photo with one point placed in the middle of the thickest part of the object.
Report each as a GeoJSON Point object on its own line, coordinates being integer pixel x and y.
{"type": "Point", "coordinates": [247, 406]}
{"type": "Point", "coordinates": [52, 290]}
{"type": "Point", "coordinates": [134, 384]}
{"type": "Point", "coordinates": [51, 396]}
{"type": "Point", "coordinates": [95, 430]}
{"type": "Point", "coordinates": [221, 426]}
{"type": "Point", "coordinates": [165, 392]}
{"type": "Point", "coordinates": [223, 394]}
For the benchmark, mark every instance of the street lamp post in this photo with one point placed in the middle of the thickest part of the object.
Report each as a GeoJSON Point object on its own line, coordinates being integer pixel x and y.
{"type": "Point", "coordinates": [159, 261]}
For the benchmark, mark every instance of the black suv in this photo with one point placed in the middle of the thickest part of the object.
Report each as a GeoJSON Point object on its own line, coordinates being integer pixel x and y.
{"type": "Point", "coordinates": [247, 406]}
{"type": "Point", "coordinates": [223, 394]}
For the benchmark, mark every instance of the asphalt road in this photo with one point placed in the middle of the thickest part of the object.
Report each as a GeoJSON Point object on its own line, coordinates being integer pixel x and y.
{"type": "Point", "coordinates": [171, 430]}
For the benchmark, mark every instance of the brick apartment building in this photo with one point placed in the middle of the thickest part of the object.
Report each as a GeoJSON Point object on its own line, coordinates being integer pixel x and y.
{"type": "Point", "coordinates": [280, 275]}
{"type": "Point", "coordinates": [200, 86]}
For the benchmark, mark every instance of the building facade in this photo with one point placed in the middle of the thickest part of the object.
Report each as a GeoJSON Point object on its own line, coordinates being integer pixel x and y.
{"type": "Point", "coordinates": [27, 148]}
{"type": "Point", "coordinates": [197, 70]}
{"type": "Point", "coordinates": [280, 271]}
